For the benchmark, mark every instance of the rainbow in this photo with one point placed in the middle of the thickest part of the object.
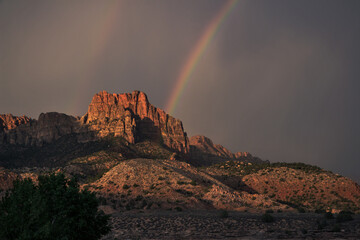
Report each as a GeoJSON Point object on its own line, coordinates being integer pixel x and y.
{"type": "Point", "coordinates": [196, 53]}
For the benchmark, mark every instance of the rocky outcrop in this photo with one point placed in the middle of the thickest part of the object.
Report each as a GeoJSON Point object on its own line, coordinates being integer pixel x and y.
{"type": "Point", "coordinates": [242, 154]}
{"type": "Point", "coordinates": [8, 121]}
{"type": "Point", "coordinates": [206, 146]}
{"type": "Point", "coordinates": [6, 179]}
{"type": "Point", "coordinates": [204, 152]}
{"type": "Point", "coordinates": [131, 116]}
{"type": "Point", "coordinates": [48, 128]}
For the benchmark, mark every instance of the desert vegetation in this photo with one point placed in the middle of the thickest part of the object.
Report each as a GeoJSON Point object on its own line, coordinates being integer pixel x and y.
{"type": "Point", "coordinates": [52, 208]}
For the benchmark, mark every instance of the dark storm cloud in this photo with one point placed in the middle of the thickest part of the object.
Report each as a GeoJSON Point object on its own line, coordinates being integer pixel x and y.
{"type": "Point", "coordinates": [280, 79]}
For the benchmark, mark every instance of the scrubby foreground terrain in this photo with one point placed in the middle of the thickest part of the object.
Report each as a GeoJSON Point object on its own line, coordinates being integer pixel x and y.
{"type": "Point", "coordinates": [238, 225]}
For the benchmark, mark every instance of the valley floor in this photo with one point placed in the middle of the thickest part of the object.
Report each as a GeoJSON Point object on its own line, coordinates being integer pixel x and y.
{"type": "Point", "coordinates": [238, 225]}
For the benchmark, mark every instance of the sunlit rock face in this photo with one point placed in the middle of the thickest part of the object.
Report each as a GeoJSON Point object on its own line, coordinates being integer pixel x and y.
{"type": "Point", "coordinates": [48, 128]}
{"type": "Point", "coordinates": [131, 116]}
{"type": "Point", "coordinates": [204, 152]}
{"type": "Point", "coordinates": [207, 146]}
{"type": "Point", "coordinates": [8, 121]}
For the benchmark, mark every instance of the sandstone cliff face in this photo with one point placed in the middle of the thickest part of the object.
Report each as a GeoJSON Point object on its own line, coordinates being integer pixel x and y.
{"type": "Point", "coordinates": [205, 152]}
{"type": "Point", "coordinates": [8, 121]}
{"type": "Point", "coordinates": [131, 116]}
{"type": "Point", "coordinates": [205, 145]}
{"type": "Point", "coordinates": [48, 128]}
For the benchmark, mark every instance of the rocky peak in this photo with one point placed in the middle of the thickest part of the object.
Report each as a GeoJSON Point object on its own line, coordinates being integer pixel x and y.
{"type": "Point", "coordinates": [242, 154]}
{"type": "Point", "coordinates": [206, 145]}
{"type": "Point", "coordinates": [8, 121]}
{"type": "Point", "coordinates": [49, 127]}
{"type": "Point", "coordinates": [131, 116]}
{"type": "Point", "coordinates": [205, 152]}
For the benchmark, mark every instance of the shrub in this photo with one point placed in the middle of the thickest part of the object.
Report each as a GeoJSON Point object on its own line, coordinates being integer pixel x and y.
{"type": "Point", "coordinates": [53, 209]}
{"type": "Point", "coordinates": [267, 217]}
{"type": "Point", "coordinates": [126, 186]}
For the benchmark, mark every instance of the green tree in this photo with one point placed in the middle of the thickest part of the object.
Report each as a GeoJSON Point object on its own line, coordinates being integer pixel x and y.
{"type": "Point", "coordinates": [55, 208]}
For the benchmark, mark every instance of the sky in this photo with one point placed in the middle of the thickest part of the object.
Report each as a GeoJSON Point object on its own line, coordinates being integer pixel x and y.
{"type": "Point", "coordinates": [279, 79]}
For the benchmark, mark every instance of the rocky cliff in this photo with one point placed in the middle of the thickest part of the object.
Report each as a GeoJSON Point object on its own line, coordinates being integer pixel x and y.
{"type": "Point", "coordinates": [131, 116]}
{"type": "Point", "coordinates": [8, 121]}
{"type": "Point", "coordinates": [204, 151]}
{"type": "Point", "coordinates": [48, 128]}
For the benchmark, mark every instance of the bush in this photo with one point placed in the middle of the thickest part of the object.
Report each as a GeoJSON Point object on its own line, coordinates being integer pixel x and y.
{"type": "Point", "coordinates": [267, 217]}
{"type": "Point", "coordinates": [53, 209]}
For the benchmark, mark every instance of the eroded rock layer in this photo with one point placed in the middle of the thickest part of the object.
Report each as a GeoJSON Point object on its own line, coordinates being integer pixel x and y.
{"type": "Point", "coordinates": [129, 115]}
{"type": "Point", "coordinates": [132, 116]}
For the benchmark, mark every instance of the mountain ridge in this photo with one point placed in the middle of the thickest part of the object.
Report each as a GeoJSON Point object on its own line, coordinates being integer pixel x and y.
{"type": "Point", "coordinates": [124, 132]}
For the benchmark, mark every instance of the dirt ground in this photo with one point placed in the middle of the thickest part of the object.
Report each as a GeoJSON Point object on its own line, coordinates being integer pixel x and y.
{"type": "Point", "coordinates": [237, 225]}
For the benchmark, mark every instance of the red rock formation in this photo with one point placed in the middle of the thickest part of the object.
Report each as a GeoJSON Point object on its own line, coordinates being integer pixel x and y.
{"type": "Point", "coordinates": [205, 145]}
{"type": "Point", "coordinates": [8, 121]}
{"type": "Point", "coordinates": [205, 152]}
{"type": "Point", "coordinates": [49, 127]}
{"type": "Point", "coordinates": [129, 115]}
{"type": "Point", "coordinates": [242, 154]}
{"type": "Point", "coordinates": [132, 116]}
{"type": "Point", "coordinates": [6, 179]}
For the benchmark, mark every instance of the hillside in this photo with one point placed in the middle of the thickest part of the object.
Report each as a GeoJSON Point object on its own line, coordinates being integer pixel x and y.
{"type": "Point", "coordinates": [296, 184]}
{"type": "Point", "coordinates": [136, 156]}
{"type": "Point", "coordinates": [169, 184]}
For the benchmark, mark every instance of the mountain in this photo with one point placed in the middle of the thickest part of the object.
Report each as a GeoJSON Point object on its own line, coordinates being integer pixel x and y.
{"type": "Point", "coordinates": [204, 152]}
{"type": "Point", "coordinates": [128, 115]}
{"type": "Point", "coordinates": [297, 184]}
{"type": "Point", "coordinates": [135, 155]}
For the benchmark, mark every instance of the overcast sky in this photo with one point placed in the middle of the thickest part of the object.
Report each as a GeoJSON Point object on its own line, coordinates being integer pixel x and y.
{"type": "Point", "coordinates": [281, 79]}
